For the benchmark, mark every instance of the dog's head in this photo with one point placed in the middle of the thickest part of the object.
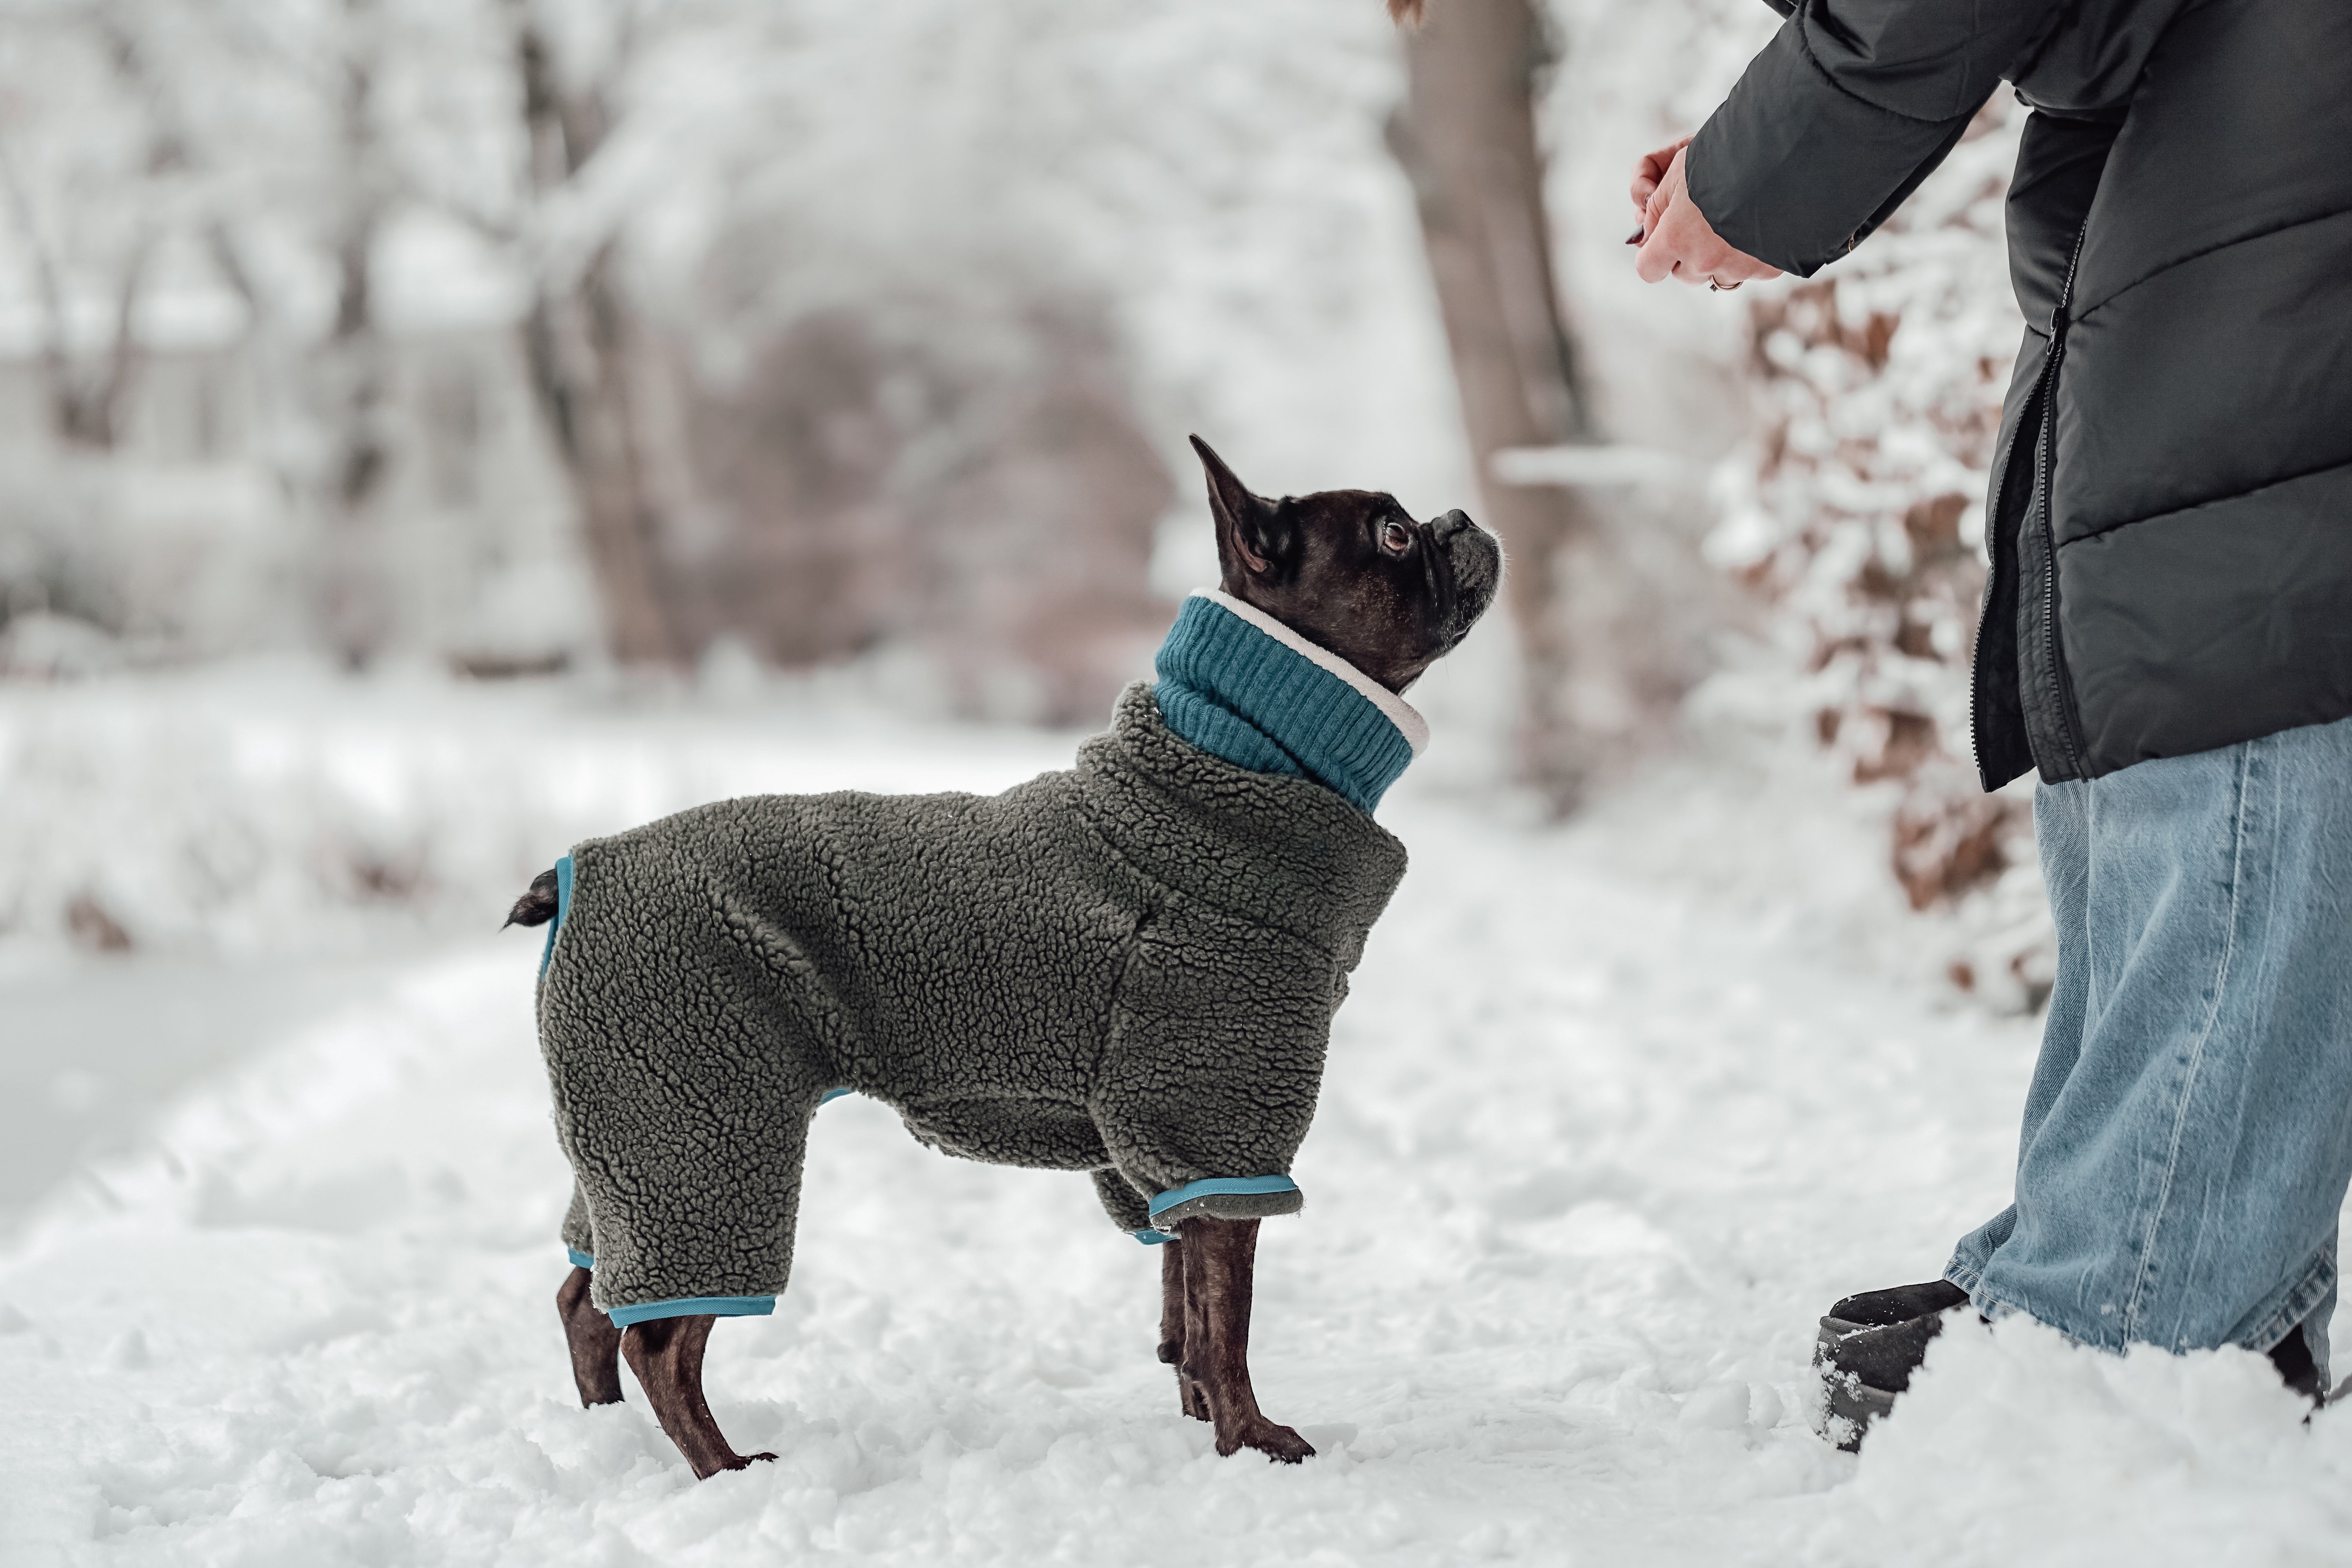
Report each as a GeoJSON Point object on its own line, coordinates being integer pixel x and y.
{"type": "Point", "coordinates": [1353, 572]}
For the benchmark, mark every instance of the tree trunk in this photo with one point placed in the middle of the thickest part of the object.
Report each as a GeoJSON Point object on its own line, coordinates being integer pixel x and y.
{"type": "Point", "coordinates": [1467, 138]}
{"type": "Point", "coordinates": [583, 362]}
{"type": "Point", "coordinates": [86, 402]}
{"type": "Point", "coordinates": [355, 367]}
{"type": "Point", "coordinates": [587, 364]}
{"type": "Point", "coordinates": [357, 595]}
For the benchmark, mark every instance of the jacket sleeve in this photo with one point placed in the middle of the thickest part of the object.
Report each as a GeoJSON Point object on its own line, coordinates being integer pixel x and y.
{"type": "Point", "coordinates": [1214, 1062]}
{"type": "Point", "coordinates": [1845, 111]}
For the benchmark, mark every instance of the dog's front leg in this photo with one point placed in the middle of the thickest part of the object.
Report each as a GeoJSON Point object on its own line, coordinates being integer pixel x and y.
{"type": "Point", "coordinates": [1219, 1267]}
{"type": "Point", "coordinates": [666, 1355]}
{"type": "Point", "coordinates": [595, 1343]}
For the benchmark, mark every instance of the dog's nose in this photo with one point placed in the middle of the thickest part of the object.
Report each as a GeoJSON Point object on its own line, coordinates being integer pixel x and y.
{"type": "Point", "coordinates": [1443, 529]}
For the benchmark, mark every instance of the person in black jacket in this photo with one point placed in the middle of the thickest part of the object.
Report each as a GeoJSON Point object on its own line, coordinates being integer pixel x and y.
{"type": "Point", "coordinates": [2167, 636]}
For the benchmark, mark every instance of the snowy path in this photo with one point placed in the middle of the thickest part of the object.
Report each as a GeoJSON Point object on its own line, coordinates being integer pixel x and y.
{"type": "Point", "coordinates": [97, 1047]}
{"type": "Point", "coordinates": [1593, 1153]}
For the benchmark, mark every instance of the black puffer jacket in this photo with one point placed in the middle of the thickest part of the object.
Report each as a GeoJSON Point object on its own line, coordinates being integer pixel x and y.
{"type": "Point", "coordinates": [2171, 511]}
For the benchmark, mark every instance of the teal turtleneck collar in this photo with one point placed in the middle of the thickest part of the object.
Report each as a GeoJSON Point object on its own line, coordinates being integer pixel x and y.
{"type": "Point", "coordinates": [1238, 683]}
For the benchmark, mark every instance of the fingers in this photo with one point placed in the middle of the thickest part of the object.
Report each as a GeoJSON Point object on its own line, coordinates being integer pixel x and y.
{"type": "Point", "coordinates": [1681, 246]}
{"type": "Point", "coordinates": [1654, 212]}
{"type": "Point", "coordinates": [1646, 173]}
{"type": "Point", "coordinates": [1650, 170]}
{"type": "Point", "coordinates": [1668, 234]}
{"type": "Point", "coordinates": [1678, 242]}
{"type": "Point", "coordinates": [1658, 257]}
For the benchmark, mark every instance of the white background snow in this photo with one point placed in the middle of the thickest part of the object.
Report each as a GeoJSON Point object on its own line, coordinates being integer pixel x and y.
{"type": "Point", "coordinates": [1613, 1113]}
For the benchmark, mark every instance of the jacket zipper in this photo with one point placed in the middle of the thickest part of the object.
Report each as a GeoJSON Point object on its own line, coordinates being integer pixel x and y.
{"type": "Point", "coordinates": [2045, 465]}
{"type": "Point", "coordinates": [1996, 557]}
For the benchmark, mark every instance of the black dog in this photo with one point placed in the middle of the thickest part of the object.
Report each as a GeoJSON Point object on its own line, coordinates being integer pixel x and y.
{"type": "Point", "coordinates": [712, 897]}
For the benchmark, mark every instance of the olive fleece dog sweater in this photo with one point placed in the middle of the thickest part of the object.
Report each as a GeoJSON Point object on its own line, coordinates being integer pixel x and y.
{"type": "Point", "coordinates": [1129, 968]}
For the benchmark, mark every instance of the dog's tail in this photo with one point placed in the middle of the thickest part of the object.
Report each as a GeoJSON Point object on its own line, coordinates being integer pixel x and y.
{"type": "Point", "coordinates": [537, 907]}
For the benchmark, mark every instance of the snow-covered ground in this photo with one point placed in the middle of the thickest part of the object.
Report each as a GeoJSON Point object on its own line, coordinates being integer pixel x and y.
{"type": "Point", "coordinates": [1613, 1112]}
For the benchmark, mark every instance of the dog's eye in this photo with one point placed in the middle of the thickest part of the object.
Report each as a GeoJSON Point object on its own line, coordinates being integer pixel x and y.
{"type": "Point", "coordinates": [1396, 537]}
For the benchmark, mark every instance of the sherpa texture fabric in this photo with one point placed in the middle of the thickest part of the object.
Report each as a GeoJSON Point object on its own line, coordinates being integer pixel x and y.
{"type": "Point", "coordinates": [1129, 968]}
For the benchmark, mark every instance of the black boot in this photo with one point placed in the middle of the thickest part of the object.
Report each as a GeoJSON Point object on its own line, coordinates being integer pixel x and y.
{"type": "Point", "coordinates": [1878, 1309]}
{"type": "Point", "coordinates": [2292, 1357]}
{"type": "Point", "coordinates": [1870, 1345]}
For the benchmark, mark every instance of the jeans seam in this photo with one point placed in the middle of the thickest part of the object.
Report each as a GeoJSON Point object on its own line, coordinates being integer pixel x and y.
{"type": "Point", "coordinates": [2196, 1053]}
{"type": "Point", "coordinates": [2294, 1306]}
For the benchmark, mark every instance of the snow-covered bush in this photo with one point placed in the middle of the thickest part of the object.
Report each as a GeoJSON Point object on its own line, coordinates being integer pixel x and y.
{"type": "Point", "coordinates": [1859, 513]}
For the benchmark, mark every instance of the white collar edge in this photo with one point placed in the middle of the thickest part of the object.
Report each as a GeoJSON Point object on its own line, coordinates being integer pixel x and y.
{"type": "Point", "coordinates": [1394, 709]}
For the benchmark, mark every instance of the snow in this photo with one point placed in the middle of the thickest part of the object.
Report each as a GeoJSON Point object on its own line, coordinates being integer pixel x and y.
{"type": "Point", "coordinates": [1613, 1112]}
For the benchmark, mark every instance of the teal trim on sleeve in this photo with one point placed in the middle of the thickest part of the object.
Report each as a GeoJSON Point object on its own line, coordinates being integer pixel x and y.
{"type": "Point", "coordinates": [693, 1306]}
{"type": "Point", "coordinates": [1213, 1186]}
{"type": "Point", "coordinates": [831, 1095]}
{"type": "Point", "coordinates": [563, 908]}
{"type": "Point", "coordinates": [579, 1258]}
{"type": "Point", "coordinates": [1153, 1237]}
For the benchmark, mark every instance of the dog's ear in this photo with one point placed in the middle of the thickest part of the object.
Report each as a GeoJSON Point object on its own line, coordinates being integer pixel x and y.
{"type": "Point", "coordinates": [1253, 538]}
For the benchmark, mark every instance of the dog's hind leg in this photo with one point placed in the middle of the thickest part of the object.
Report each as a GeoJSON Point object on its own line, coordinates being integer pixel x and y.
{"type": "Point", "coordinates": [666, 1355]}
{"type": "Point", "coordinates": [1174, 1301]}
{"type": "Point", "coordinates": [1219, 1269]}
{"type": "Point", "coordinates": [596, 1342]}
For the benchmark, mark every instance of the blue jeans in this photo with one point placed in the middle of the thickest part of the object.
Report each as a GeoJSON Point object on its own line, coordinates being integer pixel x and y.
{"type": "Point", "coordinates": [2188, 1131]}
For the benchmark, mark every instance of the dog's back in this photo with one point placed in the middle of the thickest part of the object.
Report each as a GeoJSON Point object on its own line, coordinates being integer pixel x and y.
{"type": "Point", "coordinates": [904, 944]}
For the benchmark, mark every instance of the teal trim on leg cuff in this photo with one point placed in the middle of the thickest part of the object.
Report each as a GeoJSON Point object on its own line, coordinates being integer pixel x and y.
{"type": "Point", "coordinates": [831, 1095]}
{"type": "Point", "coordinates": [1218, 1186]}
{"type": "Point", "coordinates": [1153, 1237]}
{"type": "Point", "coordinates": [693, 1306]}
{"type": "Point", "coordinates": [579, 1258]}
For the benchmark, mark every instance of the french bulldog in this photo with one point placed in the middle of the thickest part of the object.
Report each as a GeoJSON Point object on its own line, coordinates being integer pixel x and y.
{"type": "Point", "coordinates": [1353, 577]}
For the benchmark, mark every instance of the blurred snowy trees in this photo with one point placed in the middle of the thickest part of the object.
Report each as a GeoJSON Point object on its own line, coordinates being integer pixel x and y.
{"type": "Point", "coordinates": [509, 329]}
{"type": "Point", "coordinates": [503, 333]}
{"type": "Point", "coordinates": [831, 331]}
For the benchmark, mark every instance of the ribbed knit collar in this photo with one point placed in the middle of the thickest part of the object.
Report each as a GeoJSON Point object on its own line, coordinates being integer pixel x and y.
{"type": "Point", "coordinates": [1236, 682]}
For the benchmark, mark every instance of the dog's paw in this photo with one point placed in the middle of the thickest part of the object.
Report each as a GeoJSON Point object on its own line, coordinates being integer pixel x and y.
{"type": "Point", "coordinates": [1280, 1444]}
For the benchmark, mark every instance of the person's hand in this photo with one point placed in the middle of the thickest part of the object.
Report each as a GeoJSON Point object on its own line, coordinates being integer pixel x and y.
{"type": "Point", "coordinates": [1649, 171]}
{"type": "Point", "coordinates": [1677, 239]}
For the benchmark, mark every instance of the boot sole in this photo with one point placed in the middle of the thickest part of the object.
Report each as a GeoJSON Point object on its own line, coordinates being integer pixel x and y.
{"type": "Point", "coordinates": [1848, 1404]}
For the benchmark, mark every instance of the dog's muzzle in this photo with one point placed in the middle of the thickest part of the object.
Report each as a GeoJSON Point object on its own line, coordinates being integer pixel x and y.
{"type": "Point", "coordinates": [1474, 560]}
